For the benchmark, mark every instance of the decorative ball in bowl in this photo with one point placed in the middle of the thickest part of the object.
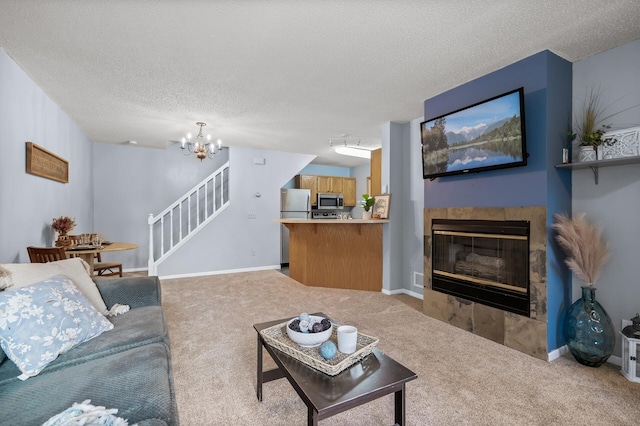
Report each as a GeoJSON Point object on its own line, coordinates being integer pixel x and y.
{"type": "Point", "coordinates": [313, 336]}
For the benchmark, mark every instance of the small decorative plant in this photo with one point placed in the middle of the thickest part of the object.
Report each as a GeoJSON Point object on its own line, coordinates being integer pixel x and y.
{"type": "Point", "coordinates": [367, 202]}
{"type": "Point", "coordinates": [589, 123]}
{"type": "Point", "coordinates": [581, 240]}
{"type": "Point", "coordinates": [63, 224]}
{"type": "Point", "coordinates": [588, 128]}
{"type": "Point", "coordinates": [570, 138]}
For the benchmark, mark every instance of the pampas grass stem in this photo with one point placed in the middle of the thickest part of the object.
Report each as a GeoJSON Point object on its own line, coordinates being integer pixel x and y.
{"type": "Point", "coordinates": [582, 242]}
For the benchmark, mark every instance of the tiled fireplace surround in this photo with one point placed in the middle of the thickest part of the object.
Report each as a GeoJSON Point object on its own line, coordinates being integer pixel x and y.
{"type": "Point", "coordinates": [525, 334]}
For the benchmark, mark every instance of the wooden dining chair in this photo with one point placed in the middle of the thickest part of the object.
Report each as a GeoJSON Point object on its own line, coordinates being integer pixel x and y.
{"type": "Point", "coordinates": [106, 269]}
{"type": "Point", "coordinates": [100, 268]}
{"type": "Point", "coordinates": [45, 254]}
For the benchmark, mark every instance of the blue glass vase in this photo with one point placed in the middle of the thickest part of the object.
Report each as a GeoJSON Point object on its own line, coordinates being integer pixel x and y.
{"type": "Point", "coordinates": [588, 330]}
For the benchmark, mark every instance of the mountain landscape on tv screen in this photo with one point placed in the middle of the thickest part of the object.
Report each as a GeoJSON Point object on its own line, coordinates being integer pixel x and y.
{"type": "Point", "coordinates": [468, 134]}
{"type": "Point", "coordinates": [484, 136]}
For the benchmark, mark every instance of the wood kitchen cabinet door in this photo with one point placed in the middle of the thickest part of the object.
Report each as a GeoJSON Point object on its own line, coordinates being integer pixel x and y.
{"type": "Point", "coordinates": [330, 184]}
{"type": "Point", "coordinates": [349, 191]}
{"type": "Point", "coordinates": [376, 172]}
{"type": "Point", "coordinates": [335, 184]}
{"type": "Point", "coordinates": [324, 183]}
{"type": "Point", "coordinates": [309, 182]}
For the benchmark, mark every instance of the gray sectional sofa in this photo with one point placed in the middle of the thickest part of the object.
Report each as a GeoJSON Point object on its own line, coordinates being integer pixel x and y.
{"type": "Point", "coordinates": [127, 368]}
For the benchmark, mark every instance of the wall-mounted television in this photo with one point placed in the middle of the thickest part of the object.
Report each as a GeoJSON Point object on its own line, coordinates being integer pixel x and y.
{"type": "Point", "coordinates": [485, 136]}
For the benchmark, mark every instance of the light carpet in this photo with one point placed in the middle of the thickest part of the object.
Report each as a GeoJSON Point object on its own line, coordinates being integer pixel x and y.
{"type": "Point", "coordinates": [463, 379]}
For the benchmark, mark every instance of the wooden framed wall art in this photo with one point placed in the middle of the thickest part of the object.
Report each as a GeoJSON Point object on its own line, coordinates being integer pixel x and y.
{"type": "Point", "coordinates": [43, 163]}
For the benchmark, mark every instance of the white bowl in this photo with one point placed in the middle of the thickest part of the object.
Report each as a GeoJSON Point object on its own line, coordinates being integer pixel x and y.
{"type": "Point", "coordinates": [309, 340]}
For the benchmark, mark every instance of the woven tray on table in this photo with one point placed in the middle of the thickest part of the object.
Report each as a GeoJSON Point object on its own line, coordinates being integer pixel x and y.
{"type": "Point", "coordinates": [276, 336]}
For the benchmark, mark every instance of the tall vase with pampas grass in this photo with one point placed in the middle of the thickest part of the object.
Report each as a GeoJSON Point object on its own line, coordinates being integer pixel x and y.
{"type": "Point", "coordinates": [588, 329]}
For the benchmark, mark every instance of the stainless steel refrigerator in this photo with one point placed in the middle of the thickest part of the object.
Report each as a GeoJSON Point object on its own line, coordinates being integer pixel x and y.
{"type": "Point", "coordinates": [294, 204]}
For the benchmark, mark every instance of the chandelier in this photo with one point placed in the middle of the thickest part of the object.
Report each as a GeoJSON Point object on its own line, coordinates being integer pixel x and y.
{"type": "Point", "coordinates": [201, 145]}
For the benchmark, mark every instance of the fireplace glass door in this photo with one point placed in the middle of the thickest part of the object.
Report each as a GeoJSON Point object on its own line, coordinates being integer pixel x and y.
{"type": "Point", "coordinates": [481, 259]}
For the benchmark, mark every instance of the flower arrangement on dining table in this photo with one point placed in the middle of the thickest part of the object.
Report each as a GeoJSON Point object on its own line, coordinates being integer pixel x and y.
{"type": "Point", "coordinates": [63, 224]}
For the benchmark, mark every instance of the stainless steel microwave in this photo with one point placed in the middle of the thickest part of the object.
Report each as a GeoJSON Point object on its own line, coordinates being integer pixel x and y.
{"type": "Point", "coordinates": [328, 201]}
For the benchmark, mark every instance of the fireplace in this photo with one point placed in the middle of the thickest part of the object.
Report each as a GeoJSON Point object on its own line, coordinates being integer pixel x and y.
{"type": "Point", "coordinates": [483, 261]}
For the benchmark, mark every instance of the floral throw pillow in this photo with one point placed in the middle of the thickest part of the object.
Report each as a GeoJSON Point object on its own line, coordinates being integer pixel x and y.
{"type": "Point", "coordinates": [40, 321]}
{"type": "Point", "coordinates": [2, 355]}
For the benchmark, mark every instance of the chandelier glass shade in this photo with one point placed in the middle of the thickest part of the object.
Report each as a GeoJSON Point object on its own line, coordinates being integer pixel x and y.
{"type": "Point", "coordinates": [201, 146]}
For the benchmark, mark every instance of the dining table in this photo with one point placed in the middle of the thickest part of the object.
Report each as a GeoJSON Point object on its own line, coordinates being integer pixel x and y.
{"type": "Point", "coordinates": [88, 252]}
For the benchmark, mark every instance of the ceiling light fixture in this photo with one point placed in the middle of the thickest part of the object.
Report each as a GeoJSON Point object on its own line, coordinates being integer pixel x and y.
{"type": "Point", "coordinates": [201, 146]}
{"type": "Point", "coordinates": [351, 150]}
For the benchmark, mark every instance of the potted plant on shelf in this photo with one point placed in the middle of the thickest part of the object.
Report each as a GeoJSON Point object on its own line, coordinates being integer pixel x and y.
{"type": "Point", "coordinates": [366, 203]}
{"type": "Point", "coordinates": [589, 125]}
{"type": "Point", "coordinates": [587, 328]}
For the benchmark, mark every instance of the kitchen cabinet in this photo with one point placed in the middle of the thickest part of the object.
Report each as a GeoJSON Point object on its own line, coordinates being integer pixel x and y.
{"type": "Point", "coordinates": [309, 182]}
{"type": "Point", "coordinates": [376, 172]}
{"type": "Point", "coordinates": [335, 184]}
{"type": "Point", "coordinates": [324, 184]}
{"type": "Point", "coordinates": [328, 184]}
{"type": "Point", "coordinates": [353, 262]}
{"type": "Point", "coordinates": [349, 191]}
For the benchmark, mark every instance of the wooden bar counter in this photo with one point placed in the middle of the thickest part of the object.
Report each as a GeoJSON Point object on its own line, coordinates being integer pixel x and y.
{"type": "Point", "coordinates": [336, 253]}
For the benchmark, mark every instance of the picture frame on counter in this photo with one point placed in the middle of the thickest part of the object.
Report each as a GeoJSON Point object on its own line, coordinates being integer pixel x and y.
{"type": "Point", "coordinates": [381, 206]}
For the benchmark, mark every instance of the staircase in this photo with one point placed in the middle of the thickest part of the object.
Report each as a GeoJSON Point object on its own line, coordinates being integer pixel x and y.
{"type": "Point", "coordinates": [178, 223]}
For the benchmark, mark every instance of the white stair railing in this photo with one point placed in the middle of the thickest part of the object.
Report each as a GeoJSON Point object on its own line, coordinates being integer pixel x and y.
{"type": "Point", "coordinates": [187, 216]}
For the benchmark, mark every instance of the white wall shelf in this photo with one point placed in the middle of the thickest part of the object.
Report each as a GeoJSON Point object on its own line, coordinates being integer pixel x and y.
{"type": "Point", "coordinates": [595, 165]}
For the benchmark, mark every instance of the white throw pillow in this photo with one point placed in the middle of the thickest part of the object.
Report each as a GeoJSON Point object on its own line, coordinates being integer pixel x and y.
{"type": "Point", "coordinates": [23, 274]}
{"type": "Point", "coordinates": [41, 321]}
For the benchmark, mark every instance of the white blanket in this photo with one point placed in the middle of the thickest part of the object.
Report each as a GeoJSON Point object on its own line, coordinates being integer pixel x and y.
{"type": "Point", "coordinates": [85, 414]}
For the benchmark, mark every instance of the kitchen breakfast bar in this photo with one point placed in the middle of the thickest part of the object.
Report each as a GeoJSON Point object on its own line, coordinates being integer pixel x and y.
{"type": "Point", "coordinates": [336, 253]}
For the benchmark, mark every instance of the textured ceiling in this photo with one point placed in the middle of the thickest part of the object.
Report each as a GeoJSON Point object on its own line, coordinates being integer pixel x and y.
{"type": "Point", "coordinates": [285, 75]}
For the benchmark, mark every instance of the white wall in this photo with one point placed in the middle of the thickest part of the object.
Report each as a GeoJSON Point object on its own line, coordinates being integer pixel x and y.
{"type": "Point", "coordinates": [28, 202]}
{"type": "Point", "coordinates": [226, 243]}
{"type": "Point", "coordinates": [361, 173]}
{"type": "Point", "coordinates": [403, 237]}
{"type": "Point", "coordinates": [614, 203]}
{"type": "Point", "coordinates": [413, 209]}
{"type": "Point", "coordinates": [393, 141]}
{"type": "Point", "coordinates": [403, 244]}
{"type": "Point", "coordinates": [131, 182]}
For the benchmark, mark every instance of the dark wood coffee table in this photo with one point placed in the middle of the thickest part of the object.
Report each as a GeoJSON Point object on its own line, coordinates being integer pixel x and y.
{"type": "Point", "coordinates": [375, 376]}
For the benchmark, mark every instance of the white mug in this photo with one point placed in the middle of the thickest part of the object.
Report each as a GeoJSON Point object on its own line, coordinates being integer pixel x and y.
{"type": "Point", "coordinates": [347, 339]}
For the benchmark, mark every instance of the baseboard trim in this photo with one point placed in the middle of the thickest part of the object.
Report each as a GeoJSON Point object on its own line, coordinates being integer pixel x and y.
{"type": "Point", "coordinates": [226, 271]}
{"type": "Point", "coordinates": [557, 353]}
{"type": "Point", "coordinates": [553, 355]}
{"type": "Point", "coordinates": [403, 291]}
{"type": "Point", "coordinates": [615, 360]}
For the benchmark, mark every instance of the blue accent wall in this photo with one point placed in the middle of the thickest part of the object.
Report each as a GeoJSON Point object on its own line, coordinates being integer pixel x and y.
{"type": "Point", "coordinates": [521, 186]}
{"type": "Point", "coordinates": [559, 89]}
{"type": "Point", "coordinates": [546, 79]}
